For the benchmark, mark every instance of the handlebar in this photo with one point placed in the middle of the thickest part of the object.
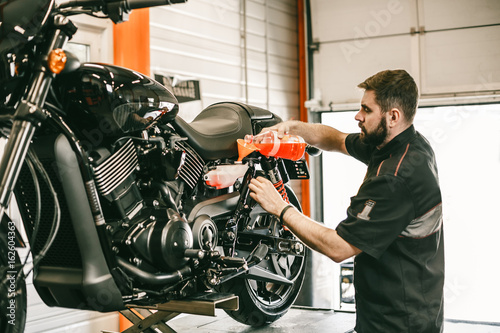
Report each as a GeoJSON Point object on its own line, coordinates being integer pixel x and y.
{"type": "Point", "coordinates": [125, 4]}
{"type": "Point", "coordinates": [115, 9]}
{"type": "Point", "coordinates": [135, 4]}
{"type": "Point", "coordinates": [313, 151]}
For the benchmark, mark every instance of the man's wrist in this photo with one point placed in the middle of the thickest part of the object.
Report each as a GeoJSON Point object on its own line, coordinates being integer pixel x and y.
{"type": "Point", "coordinates": [283, 211]}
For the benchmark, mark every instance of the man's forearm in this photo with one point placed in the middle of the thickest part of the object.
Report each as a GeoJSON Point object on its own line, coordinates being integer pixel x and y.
{"type": "Point", "coordinates": [319, 135]}
{"type": "Point", "coordinates": [319, 237]}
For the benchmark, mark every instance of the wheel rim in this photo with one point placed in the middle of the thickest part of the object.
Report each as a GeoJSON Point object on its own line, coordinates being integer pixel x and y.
{"type": "Point", "coordinates": [273, 297]}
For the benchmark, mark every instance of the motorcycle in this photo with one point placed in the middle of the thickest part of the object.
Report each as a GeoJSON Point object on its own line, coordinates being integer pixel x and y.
{"type": "Point", "coordinates": [122, 201]}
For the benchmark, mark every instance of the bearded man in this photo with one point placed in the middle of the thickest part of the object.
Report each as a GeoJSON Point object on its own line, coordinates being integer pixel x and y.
{"type": "Point", "coordinates": [394, 223]}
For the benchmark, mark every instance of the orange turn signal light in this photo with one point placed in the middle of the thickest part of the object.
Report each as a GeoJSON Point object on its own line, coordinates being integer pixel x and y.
{"type": "Point", "coordinates": [57, 60]}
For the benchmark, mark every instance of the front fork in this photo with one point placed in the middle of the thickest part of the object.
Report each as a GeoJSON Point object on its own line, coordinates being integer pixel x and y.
{"type": "Point", "coordinates": [12, 160]}
{"type": "Point", "coordinates": [29, 113]}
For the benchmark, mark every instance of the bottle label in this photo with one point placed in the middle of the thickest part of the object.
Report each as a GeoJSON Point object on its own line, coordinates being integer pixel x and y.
{"type": "Point", "coordinates": [276, 142]}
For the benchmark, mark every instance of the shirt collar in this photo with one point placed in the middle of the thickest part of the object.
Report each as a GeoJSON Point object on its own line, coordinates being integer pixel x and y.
{"type": "Point", "coordinates": [401, 139]}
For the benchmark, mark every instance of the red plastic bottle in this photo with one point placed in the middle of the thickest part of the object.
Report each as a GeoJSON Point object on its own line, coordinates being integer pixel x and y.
{"type": "Point", "coordinates": [291, 147]}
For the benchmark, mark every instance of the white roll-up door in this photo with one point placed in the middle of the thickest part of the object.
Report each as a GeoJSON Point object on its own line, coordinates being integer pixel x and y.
{"type": "Point", "coordinates": [450, 47]}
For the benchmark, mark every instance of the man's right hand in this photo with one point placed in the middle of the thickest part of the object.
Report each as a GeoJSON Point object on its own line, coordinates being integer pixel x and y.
{"type": "Point", "coordinates": [321, 136]}
{"type": "Point", "coordinates": [282, 128]}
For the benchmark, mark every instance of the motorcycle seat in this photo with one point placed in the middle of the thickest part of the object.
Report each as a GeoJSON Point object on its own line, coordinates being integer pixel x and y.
{"type": "Point", "coordinates": [213, 133]}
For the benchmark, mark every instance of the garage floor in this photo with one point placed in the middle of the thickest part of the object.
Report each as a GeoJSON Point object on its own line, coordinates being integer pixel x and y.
{"type": "Point", "coordinates": [299, 320]}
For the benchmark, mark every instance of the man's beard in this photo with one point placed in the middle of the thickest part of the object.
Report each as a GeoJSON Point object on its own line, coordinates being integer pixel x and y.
{"type": "Point", "coordinates": [378, 136]}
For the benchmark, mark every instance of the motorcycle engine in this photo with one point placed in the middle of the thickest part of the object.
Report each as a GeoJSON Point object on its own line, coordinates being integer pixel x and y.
{"type": "Point", "coordinates": [163, 241]}
{"type": "Point", "coordinates": [115, 181]}
{"type": "Point", "coordinates": [149, 233]}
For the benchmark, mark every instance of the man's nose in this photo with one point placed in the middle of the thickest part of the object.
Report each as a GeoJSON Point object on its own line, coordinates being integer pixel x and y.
{"type": "Point", "coordinates": [358, 116]}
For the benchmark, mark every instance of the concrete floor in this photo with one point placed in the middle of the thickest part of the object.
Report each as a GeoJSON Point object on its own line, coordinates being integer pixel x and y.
{"type": "Point", "coordinates": [300, 321]}
{"type": "Point", "coordinates": [296, 320]}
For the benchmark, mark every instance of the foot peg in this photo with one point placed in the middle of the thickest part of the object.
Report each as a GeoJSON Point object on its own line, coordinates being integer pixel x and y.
{"type": "Point", "coordinates": [258, 254]}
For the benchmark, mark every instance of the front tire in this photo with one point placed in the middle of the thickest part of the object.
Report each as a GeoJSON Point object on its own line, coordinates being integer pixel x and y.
{"type": "Point", "coordinates": [261, 303]}
{"type": "Point", "coordinates": [13, 300]}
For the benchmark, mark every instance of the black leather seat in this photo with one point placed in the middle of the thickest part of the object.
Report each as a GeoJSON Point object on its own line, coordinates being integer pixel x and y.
{"type": "Point", "coordinates": [213, 133]}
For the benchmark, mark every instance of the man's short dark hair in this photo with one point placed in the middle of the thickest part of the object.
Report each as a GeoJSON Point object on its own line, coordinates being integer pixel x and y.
{"type": "Point", "coordinates": [394, 89]}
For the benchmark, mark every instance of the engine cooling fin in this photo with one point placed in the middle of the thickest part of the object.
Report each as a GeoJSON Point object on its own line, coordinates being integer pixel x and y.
{"type": "Point", "coordinates": [192, 168]}
{"type": "Point", "coordinates": [116, 168]}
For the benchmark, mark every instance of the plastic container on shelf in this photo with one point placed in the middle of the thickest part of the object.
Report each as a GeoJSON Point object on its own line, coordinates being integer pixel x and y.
{"type": "Point", "coordinates": [291, 147]}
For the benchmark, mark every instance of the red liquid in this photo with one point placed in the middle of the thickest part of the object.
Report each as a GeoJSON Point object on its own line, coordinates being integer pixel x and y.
{"type": "Point", "coordinates": [287, 150]}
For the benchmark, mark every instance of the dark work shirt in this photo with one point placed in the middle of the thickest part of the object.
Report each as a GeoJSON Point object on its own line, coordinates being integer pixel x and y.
{"type": "Point", "coordinates": [396, 221]}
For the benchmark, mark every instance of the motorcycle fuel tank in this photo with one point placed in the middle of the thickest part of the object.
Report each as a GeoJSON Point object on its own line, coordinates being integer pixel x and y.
{"type": "Point", "coordinates": [113, 99]}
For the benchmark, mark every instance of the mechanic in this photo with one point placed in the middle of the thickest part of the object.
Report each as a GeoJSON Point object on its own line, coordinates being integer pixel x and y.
{"type": "Point", "coordinates": [394, 223]}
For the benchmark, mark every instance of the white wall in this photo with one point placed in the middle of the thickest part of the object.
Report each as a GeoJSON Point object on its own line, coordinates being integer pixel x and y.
{"type": "Point", "coordinates": [205, 40]}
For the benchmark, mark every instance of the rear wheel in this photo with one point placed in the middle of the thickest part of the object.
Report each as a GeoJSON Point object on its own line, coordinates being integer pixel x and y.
{"type": "Point", "coordinates": [261, 303]}
{"type": "Point", "coordinates": [12, 295]}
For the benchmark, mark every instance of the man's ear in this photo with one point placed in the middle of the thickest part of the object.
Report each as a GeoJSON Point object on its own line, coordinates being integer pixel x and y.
{"type": "Point", "coordinates": [394, 116]}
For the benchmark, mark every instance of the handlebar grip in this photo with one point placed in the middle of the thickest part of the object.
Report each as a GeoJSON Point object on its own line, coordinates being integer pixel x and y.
{"type": "Point", "coordinates": [79, 3]}
{"type": "Point", "coordinates": [313, 151]}
{"type": "Point", "coordinates": [136, 4]}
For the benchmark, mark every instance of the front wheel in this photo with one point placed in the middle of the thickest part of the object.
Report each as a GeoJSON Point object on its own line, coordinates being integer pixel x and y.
{"type": "Point", "coordinates": [12, 295]}
{"type": "Point", "coordinates": [261, 303]}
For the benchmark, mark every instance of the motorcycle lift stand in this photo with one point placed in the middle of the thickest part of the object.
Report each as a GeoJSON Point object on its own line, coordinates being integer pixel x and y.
{"type": "Point", "coordinates": [153, 319]}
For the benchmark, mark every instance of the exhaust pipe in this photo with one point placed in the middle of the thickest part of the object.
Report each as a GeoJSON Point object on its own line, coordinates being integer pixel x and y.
{"type": "Point", "coordinates": [150, 278]}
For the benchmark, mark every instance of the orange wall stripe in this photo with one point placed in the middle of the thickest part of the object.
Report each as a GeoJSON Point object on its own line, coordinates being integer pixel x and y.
{"type": "Point", "coordinates": [306, 203]}
{"type": "Point", "coordinates": [131, 49]}
{"type": "Point", "coordinates": [131, 42]}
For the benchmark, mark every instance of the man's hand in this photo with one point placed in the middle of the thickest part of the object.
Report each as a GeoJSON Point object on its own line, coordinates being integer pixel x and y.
{"type": "Point", "coordinates": [282, 128]}
{"type": "Point", "coordinates": [321, 136]}
{"type": "Point", "coordinates": [315, 235]}
{"type": "Point", "coordinates": [263, 191]}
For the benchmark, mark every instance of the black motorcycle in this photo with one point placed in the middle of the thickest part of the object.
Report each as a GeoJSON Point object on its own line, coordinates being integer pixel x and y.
{"type": "Point", "coordinates": [121, 200]}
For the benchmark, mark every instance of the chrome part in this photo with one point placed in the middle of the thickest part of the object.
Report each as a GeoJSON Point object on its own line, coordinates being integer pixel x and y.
{"type": "Point", "coordinates": [94, 202]}
{"type": "Point", "coordinates": [192, 168]}
{"type": "Point", "coordinates": [13, 157]}
{"type": "Point", "coordinates": [112, 172]}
